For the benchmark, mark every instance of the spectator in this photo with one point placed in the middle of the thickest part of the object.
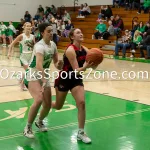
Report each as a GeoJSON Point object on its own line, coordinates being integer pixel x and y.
{"type": "Point", "coordinates": [80, 11]}
{"type": "Point", "coordinates": [145, 7]}
{"type": "Point", "coordinates": [27, 17]}
{"type": "Point", "coordinates": [41, 10]}
{"type": "Point", "coordinates": [141, 27]}
{"type": "Point", "coordinates": [145, 45]}
{"type": "Point", "coordinates": [68, 27]}
{"type": "Point", "coordinates": [66, 17]}
{"type": "Point", "coordinates": [111, 28]}
{"type": "Point", "coordinates": [135, 27]}
{"type": "Point", "coordinates": [108, 12]}
{"type": "Point", "coordinates": [54, 26]}
{"type": "Point", "coordinates": [101, 28]}
{"type": "Point", "coordinates": [86, 10]}
{"type": "Point", "coordinates": [119, 25]}
{"type": "Point", "coordinates": [136, 4]}
{"type": "Point", "coordinates": [113, 20]}
{"type": "Point", "coordinates": [102, 12]}
{"type": "Point", "coordinates": [47, 11]}
{"type": "Point", "coordinates": [53, 10]}
{"type": "Point", "coordinates": [125, 43]}
{"type": "Point", "coordinates": [128, 4]}
{"type": "Point", "coordinates": [136, 41]}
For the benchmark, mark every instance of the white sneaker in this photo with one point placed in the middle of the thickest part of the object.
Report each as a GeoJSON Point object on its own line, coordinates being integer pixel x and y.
{"type": "Point", "coordinates": [28, 132]}
{"type": "Point", "coordinates": [132, 51]}
{"type": "Point", "coordinates": [131, 56]}
{"type": "Point", "coordinates": [41, 126]}
{"type": "Point", "coordinates": [83, 137]}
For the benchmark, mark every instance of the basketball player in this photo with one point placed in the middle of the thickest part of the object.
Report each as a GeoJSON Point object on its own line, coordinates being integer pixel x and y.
{"type": "Point", "coordinates": [26, 40]}
{"type": "Point", "coordinates": [38, 85]}
{"type": "Point", "coordinates": [3, 33]}
{"type": "Point", "coordinates": [74, 59]}
{"type": "Point", "coordinates": [11, 32]}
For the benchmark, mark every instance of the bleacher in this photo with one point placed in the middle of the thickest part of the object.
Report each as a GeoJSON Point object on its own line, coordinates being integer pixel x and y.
{"type": "Point", "coordinates": [88, 24]}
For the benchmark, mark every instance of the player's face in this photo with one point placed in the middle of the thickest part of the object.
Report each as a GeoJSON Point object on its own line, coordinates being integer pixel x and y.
{"type": "Point", "coordinates": [78, 36]}
{"type": "Point", "coordinates": [28, 27]}
{"type": "Point", "coordinates": [48, 33]}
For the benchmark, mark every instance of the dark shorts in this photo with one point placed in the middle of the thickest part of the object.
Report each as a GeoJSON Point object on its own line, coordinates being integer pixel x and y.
{"type": "Point", "coordinates": [67, 84]}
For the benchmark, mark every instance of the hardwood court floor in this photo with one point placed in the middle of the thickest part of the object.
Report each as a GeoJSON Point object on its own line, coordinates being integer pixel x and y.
{"type": "Point", "coordinates": [117, 110]}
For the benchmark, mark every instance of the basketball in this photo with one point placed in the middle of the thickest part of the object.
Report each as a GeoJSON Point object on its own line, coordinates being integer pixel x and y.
{"type": "Point", "coordinates": [94, 55]}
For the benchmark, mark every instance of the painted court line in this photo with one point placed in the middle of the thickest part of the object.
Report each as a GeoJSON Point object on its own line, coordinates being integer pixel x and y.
{"type": "Point", "coordinates": [76, 123]}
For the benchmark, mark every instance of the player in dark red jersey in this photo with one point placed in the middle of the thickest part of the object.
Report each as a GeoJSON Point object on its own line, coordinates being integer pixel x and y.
{"type": "Point", "coordinates": [70, 78]}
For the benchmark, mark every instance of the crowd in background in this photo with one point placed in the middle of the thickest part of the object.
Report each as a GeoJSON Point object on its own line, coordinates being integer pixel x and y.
{"type": "Point", "coordinates": [139, 36]}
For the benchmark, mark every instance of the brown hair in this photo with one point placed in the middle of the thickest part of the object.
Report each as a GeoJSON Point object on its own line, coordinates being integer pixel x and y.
{"type": "Point", "coordinates": [71, 34]}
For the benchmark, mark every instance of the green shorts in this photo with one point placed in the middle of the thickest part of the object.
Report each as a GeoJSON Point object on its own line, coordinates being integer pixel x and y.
{"type": "Point", "coordinates": [10, 32]}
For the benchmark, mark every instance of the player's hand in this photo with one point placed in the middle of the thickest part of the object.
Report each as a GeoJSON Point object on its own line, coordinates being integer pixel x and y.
{"type": "Point", "coordinates": [60, 64]}
{"type": "Point", "coordinates": [88, 65]}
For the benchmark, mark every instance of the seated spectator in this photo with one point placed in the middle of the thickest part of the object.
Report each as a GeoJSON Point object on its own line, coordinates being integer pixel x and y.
{"type": "Point", "coordinates": [135, 27]}
{"type": "Point", "coordinates": [53, 10]}
{"type": "Point", "coordinates": [27, 17]}
{"type": "Point", "coordinates": [102, 12]}
{"type": "Point", "coordinates": [141, 28]}
{"type": "Point", "coordinates": [112, 18]}
{"type": "Point", "coordinates": [128, 4]}
{"type": "Point", "coordinates": [147, 28]}
{"type": "Point", "coordinates": [108, 12]}
{"type": "Point", "coordinates": [68, 27]}
{"type": "Point", "coordinates": [125, 43]}
{"type": "Point", "coordinates": [136, 41]}
{"type": "Point", "coordinates": [119, 25]}
{"type": "Point", "coordinates": [101, 28]}
{"type": "Point", "coordinates": [54, 26]}
{"type": "Point", "coordinates": [136, 4]}
{"type": "Point", "coordinates": [61, 27]}
{"type": "Point", "coordinates": [86, 10]}
{"type": "Point", "coordinates": [66, 17]}
{"type": "Point", "coordinates": [40, 10]}
{"type": "Point", "coordinates": [145, 45]}
{"type": "Point", "coordinates": [80, 11]}
{"type": "Point", "coordinates": [111, 28]}
{"type": "Point", "coordinates": [47, 11]}
{"type": "Point", "coordinates": [145, 7]}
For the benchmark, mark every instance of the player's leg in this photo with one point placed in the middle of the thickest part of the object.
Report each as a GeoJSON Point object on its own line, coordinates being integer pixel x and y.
{"type": "Point", "coordinates": [60, 99]}
{"type": "Point", "coordinates": [45, 109]}
{"type": "Point", "coordinates": [78, 94]}
{"type": "Point", "coordinates": [38, 99]}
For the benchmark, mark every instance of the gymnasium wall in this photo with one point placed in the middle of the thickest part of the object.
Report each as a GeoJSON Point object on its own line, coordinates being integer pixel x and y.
{"type": "Point", "coordinates": [90, 2]}
{"type": "Point", "coordinates": [9, 11]}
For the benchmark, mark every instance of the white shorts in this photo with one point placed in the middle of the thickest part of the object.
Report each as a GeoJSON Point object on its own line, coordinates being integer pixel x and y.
{"type": "Point", "coordinates": [25, 58]}
{"type": "Point", "coordinates": [32, 75]}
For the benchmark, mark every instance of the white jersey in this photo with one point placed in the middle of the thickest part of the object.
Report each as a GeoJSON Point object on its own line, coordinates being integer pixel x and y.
{"type": "Point", "coordinates": [3, 27]}
{"type": "Point", "coordinates": [11, 27]}
{"type": "Point", "coordinates": [47, 51]}
{"type": "Point", "coordinates": [24, 47]}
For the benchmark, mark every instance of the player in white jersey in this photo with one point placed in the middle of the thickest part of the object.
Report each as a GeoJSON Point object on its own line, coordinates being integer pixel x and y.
{"type": "Point", "coordinates": [26, 41]}
{"type": "Point", "coordinates": [3, 33]}
{"type": "Point", "coordinates": [11, 32]}
{"type": "Point", "coordinates": [38, 85]}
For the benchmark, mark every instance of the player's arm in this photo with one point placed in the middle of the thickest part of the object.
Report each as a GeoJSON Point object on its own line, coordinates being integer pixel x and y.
{"type": "Point", "coordinates": [71, 55]}
{"type": "Point", "coordinates": [18, 39]}
{"type": "Point", "coordinates": [57, 63]}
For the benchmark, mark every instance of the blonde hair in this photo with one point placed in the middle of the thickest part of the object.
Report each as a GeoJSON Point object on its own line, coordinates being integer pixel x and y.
{"type": "Point", "coordinates": [136, 34]}
{"type": "Point", "coordinates": [25, 26]}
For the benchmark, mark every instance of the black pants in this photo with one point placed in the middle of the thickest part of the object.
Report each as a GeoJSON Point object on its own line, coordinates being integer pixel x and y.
{"type": "Point", "coordinates": [85, 13]}
{"type": "Point", "coordinates": [133, 46]}
{"type": "Point", "coordinates": [97, 34]}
